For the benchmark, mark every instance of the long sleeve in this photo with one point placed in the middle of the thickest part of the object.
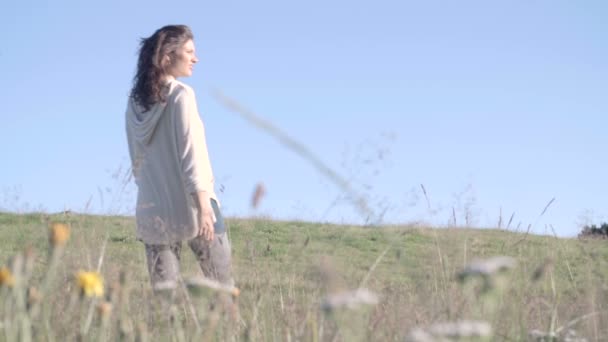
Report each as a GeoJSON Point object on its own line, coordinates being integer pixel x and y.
{"type": "Point", "coordinates": [191, 144]}
{"type": "Point", "coordinates": [134, 152]}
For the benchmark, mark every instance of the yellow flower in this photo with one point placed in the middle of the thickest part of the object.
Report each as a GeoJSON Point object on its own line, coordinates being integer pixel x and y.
{"type": "Point", "coordinates": [90, 283]}
{"type": "Point", "coordinates": [60, 233]}
{"type": "Point", "coordinates": [6, 278]}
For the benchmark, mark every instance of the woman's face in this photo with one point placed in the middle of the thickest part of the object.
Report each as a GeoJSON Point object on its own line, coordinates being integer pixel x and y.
{"type": "Point", "coordinates": [182, 61]}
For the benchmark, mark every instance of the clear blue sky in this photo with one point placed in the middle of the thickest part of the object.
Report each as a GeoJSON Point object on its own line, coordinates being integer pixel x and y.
{"type": "Point", "coordinates": [489, 104]}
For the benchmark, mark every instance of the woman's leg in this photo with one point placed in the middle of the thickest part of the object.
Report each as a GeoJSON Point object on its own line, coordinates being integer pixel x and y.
{"type": "Point", "coordinates": [214, 257]}
{"type": "Point", "coordinates": [163, 267]}
{"type": "Point", "coordinates": [163, 262]}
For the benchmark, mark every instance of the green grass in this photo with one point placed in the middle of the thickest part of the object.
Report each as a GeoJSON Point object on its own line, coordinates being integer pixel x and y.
{"type": "Point", "coordinates": [284, 270]}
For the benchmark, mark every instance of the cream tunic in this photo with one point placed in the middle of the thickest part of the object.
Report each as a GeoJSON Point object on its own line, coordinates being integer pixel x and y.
{"type": "Point", "coordinates": [170, 161]}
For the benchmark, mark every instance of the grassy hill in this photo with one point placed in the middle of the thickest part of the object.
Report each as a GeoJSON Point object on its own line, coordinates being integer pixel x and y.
{"type": "Point", "coordinates": [285, 270]}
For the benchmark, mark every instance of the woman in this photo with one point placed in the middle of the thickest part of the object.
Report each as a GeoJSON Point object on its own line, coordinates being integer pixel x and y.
{"type": "Point", "coordinates": [176, 201]}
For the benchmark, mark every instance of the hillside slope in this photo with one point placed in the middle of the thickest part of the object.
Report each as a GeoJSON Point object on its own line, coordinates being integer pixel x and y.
{"type": "Point", "coordinates": [285, 269]}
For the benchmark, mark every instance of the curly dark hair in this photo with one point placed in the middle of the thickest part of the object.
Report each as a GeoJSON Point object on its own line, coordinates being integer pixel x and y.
{"type": "Point", "coordinates": [153, 60]}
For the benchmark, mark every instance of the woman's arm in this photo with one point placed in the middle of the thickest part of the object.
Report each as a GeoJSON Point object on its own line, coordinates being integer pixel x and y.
{"type": "Point", "coordinates": [194, 159]}
{"type": "Point", "coordinates": [206, 217]}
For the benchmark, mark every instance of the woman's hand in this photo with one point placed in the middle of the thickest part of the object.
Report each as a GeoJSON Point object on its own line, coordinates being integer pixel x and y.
{"type": "Point", "coordinates": [206, 216]}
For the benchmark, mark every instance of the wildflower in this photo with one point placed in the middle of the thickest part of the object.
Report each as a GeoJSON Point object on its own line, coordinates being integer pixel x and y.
{"type": "Point", "coordinates": [537, 335]}
{"type": "Point", "coordinates": [6, 277]}
{"type": "Point", "coordinates": [198, 285]}
{"type": "Point", "coordinates": [451, 330]}
{"type": "Point", "coordinates": [90, 283]}
{"type": "Point", "coordinates": [60, 234]}
{"type": "Point", "coordinates": [349, 299]}
{"type": "Point", "coordinates": [162, 286]}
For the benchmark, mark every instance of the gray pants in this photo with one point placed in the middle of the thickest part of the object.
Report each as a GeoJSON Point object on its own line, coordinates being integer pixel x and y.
{"type": "Point", "coordinates": [214, 257]}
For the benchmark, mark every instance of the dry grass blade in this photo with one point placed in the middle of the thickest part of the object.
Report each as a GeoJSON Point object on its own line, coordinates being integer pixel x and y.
{"type": "Point", "coordinates": [102, 254]}
{"type": "Point", "coordinates": [510, 220]}
{"type": "Point", "coordinates": [359, 201]}
{"type": "Point", "coordinates": [530, 225]}
{"type": "Point", "coordinates": [575, 321]}
{"type": "Point", "coordinates": [428, 202]}
{"type": "Point", "coordinates": [373, 267]}
{"type": "Point", "coordinates": [547, 206]}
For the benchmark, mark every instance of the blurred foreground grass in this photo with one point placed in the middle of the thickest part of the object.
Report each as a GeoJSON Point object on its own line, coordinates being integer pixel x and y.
{"type": "Point", "coordinates": [285, 271]}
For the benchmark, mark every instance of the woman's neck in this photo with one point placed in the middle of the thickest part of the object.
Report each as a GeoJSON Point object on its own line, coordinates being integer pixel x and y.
{"type": "Point", "coordinates": [168, 79]}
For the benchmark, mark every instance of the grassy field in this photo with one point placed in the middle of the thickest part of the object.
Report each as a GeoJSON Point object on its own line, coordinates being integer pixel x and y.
{"type": "Point", "coordinates": [285, 271]}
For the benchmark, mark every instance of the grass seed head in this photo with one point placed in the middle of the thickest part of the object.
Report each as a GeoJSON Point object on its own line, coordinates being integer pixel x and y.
{"type": "Point", "coordinates": [258, 194]}
{"type": "Point", "coordinates": [33, 296]}
{"type": "Point", "coordinates": [59, 234]}
{"type": "Point", "coordinates": [104, 309]}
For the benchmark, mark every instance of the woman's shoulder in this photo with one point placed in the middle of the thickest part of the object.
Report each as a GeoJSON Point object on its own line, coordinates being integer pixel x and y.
{"type": "Point", "coordinates": [180, 89]}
